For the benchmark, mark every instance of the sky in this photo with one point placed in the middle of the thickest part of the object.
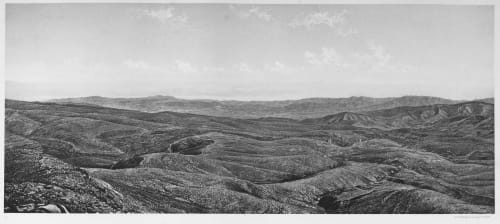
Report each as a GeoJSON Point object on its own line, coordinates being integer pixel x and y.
{"type": "Point", "coordinates": [248, 52]}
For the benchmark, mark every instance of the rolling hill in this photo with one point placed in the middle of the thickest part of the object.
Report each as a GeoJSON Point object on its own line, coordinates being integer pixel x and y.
{"type": "Point", "coordinates": [296, 109]}
{"type": "Point", "coordinates": [76, 157]}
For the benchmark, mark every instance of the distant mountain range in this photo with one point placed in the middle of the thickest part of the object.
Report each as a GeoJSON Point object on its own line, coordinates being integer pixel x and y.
{"type": "Point", "coordinates": [296, 109]}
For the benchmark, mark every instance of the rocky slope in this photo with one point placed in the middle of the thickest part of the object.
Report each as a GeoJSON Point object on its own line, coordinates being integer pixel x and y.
{"type": "Point", "coordinates": [82, 158]}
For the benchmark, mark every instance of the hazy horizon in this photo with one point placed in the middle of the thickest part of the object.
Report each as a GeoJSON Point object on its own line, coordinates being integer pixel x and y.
{"type": "Point", "coordinates": [248, 52]}
{"type": "Point", "coordinates": [243, 100]}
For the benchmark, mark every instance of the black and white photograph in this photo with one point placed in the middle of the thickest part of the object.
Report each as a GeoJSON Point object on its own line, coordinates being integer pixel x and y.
{"type": "Point", "coordinates": [249, 108]}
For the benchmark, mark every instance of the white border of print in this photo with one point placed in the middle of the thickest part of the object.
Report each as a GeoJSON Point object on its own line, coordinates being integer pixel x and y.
{"type": "Point", "coordinates": [240, 218]}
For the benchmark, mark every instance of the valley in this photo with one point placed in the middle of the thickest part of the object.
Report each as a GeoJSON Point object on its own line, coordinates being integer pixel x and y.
{"type": "Point", "coordinates": [433, 156]}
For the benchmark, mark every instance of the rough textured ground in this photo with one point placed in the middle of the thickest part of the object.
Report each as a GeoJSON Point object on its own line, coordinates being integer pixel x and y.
{"type": "Point", "coordinates": [83, 158]}
{"type": "Point", "coordinates": [298, 109]}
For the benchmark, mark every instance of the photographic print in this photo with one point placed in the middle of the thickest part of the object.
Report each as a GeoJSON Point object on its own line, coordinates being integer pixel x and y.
{"type": "Point", "coordinates": [278, 108]}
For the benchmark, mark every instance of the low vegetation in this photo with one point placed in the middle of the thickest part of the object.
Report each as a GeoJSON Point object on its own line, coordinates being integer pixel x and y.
{"type": "Point", "coordinates": [66, 157]}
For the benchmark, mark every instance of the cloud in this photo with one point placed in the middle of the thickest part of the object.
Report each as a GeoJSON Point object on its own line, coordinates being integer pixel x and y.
{"type": "Point", "coordinates": [335, 21]}
{"type": "Point", "coordinates": [137, 64]}
{"type": "Point", "coordinates": [374, 59]}
{"type": "Point", "coordinates": [254, 12]}
{"type": "Point", "coordinates": [243, 67]}
{"type": "Point", "coordinates": [212, 69]}
{"type": "Point", "coordinates": [185, 67]}
{"type": "Point", "coordinates": [171, 68]}
{"type": "Point", "coordinates": [279, 67]}
{"type": "Point", "coordinates": [164, 15]}
{"type": "Point", "coordinates": [327, 57]}
{"type": "Point", "coordinates": [378, 59]}
{"type": "Point", "coordinates": [257, 12]}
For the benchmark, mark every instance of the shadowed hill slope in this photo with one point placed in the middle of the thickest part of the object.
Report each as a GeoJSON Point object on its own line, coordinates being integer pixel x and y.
{"type": "Point", "coordinates": [85, 158]}
{"type": "Point", "coordinates": [405, 117]}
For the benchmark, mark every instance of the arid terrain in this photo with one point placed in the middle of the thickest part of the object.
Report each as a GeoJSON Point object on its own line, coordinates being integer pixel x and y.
{"type": "Point", "coordinates": [351, 155]}
{"type": "Point", "coordinates": [296, 109]}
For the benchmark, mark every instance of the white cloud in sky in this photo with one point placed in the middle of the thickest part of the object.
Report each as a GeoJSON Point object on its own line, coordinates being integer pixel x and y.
{"type": "Point", "coordinates": [320, 18]}
{"type": "Point", "coordinates": [259, 13]}
{"type": "Point", "coordinates": [374, 59]}
{"type": "Point", "coordinates": [185, 67]}
{"type": "Point", "coordinates": [164, 15]}
{"type": "Point", "coordinates": [327, 57]}
{"type": "Point", "coordinates": [380, 54]}
{"type": "Point", "coordinates": [335, 21]}
{"type": "Point", "coordinates": [378, 59]}
{"type": "Point", "coordinates": [243, 67]}
{"type": "Point", "coordinates": [280, 67]}
{"type": "Point", "coordinates": [137, 64]}
{"type": "Point", "coordinates": [177, 66]}
{"type": "Point", "coordinates": [277, 67]}
{"type": "Point", "coordinates": [213, 69]}
{"type": "Point", "coordinates": [254, 12]}
{"type": "Point", "coordinates": [182, 66]}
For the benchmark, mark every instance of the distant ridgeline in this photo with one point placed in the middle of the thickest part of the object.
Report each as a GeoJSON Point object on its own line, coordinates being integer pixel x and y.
{"type": "Point", "coordinates": [296, 109]}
